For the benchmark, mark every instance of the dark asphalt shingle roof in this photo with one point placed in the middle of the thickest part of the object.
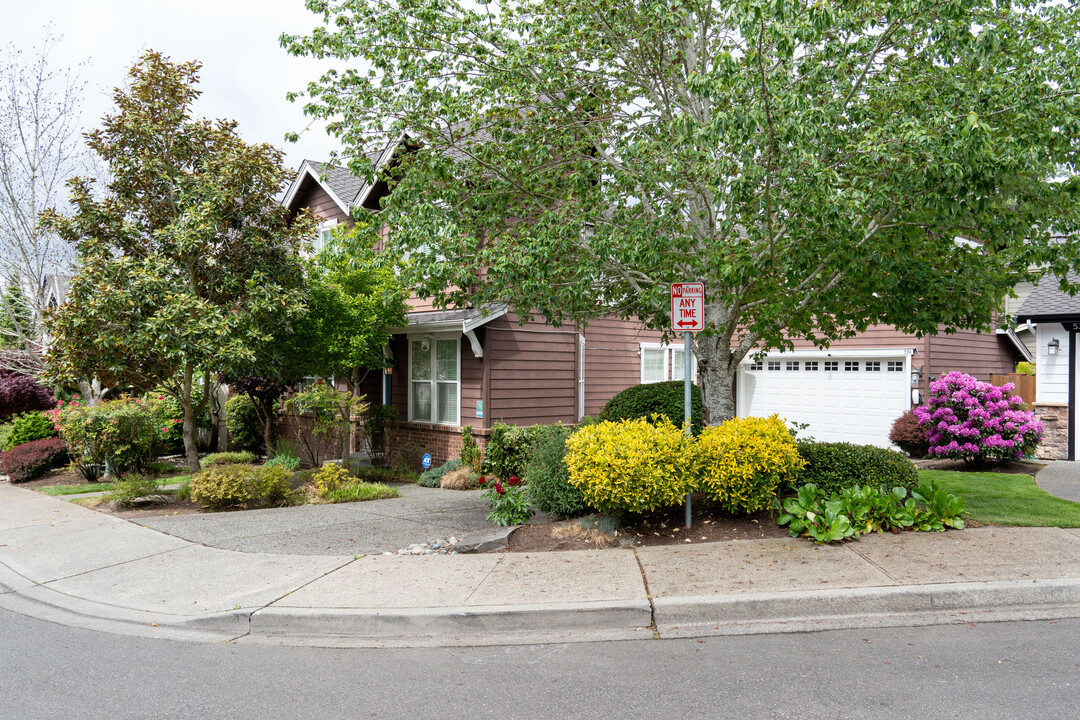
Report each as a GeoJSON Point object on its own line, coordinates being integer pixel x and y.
{"type": "Point", "coordinates": [1048, 301]}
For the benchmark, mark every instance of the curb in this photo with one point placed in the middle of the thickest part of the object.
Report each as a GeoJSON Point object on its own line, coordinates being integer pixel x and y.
{"type": "Point", "coordinates": [867, 607]}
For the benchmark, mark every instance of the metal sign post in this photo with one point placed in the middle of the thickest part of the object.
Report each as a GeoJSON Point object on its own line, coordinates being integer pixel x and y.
{"type": "Point", "coordinates": [687, 316]}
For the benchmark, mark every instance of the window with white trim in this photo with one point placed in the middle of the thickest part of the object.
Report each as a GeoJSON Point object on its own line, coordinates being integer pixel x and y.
{"type": "Point", "coordinates": [873, 366]}
{"type": "Point", "coordinates": [792, 365]}
{"type": "Point", "coordinates": [434, 380]}
{"type": "Point", "coordinates": [851, 366]}
{"type": "Point", "coordinates": [832, 365]}
{"type": "Point", "coordinates": [664, 362]}
{"type": "Point", "coordinates": [756, 365]}
{"type": "Point", "coordinates": [773, 365]}
{"type": "Point", "coordinates": [323, 235]}
{"type": "Point", "coordinates": [895, 366]}
{"type": "Point", "coordinates": [810, 366]}
{"type": "Point", "coordinates": [581, 377]}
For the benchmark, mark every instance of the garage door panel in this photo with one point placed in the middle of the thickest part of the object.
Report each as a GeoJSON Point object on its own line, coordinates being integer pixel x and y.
{"type": "Point", "coordinates": [839, 406]}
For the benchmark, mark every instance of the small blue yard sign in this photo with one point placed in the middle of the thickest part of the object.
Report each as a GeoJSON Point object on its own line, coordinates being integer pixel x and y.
{"type": "Point", "coordinates": [425, 461]}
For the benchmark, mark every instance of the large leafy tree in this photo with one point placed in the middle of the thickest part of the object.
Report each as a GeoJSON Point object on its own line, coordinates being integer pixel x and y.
{"type": "Point", "coordinates": [187, 264]}
{"type": "Point", "coordinates": [814, 163]}
{"type": "Point", "coordinates": [354, 298]}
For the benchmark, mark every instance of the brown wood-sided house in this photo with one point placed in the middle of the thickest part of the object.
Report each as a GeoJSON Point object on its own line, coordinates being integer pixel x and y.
{"type": "Point", "coordinates": [475, 366]}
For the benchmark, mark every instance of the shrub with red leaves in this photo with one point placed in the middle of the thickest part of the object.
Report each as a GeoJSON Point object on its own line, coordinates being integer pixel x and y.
{"type": "Point", "coordinates": [21, 393]}
{"type": "Point", "coordinates": [33, 459]}
{"type": "Point", "coordinates": [909, 437]}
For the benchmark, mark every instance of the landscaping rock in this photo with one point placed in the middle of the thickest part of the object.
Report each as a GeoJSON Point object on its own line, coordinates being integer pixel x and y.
{"type": "Point", "coordinates": [485, 540]}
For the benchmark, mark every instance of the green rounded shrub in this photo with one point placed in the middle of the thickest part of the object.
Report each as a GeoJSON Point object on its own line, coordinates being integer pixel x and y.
{"type": "Point", "coordinates": [230, 458]}
{"type": "Point", "coordinates": [224, 486]}
{"type": "Point", "coordinates": [548, 478]}
{"type": "Point", "coordinates": [507, 450]}
{"type": "Point", "coordinates": [29, 427]}
{"type": "Point", "coordinates": [665, 399]}
{"type": "Point", "coordinates": [242, 422]}
{"type": "Point", "coordinates": [836, 466]}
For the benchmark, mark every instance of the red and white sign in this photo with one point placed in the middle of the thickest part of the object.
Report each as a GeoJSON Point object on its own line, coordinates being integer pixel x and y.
{"type": "Point", "coordinates": [688, 307]}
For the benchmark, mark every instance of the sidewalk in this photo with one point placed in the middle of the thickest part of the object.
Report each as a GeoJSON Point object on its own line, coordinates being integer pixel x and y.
{"type": "Point", "coordinates": [67, 564]}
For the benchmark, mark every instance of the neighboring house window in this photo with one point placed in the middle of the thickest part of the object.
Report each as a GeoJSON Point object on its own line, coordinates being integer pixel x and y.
{"type": "Point", "coordinates": [434, 380]}
{"type": "Point", "coordinates": [678, 365]}
{"type": "Point", "coordinates": [322, 235]}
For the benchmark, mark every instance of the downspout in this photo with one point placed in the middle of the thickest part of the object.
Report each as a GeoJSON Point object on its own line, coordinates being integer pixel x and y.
{"type": "Point", "coordinates": [1072, 391]}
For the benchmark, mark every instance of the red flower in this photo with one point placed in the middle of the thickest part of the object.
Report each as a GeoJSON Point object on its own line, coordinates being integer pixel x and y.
{"type": "Point", "coordinates": [513, 480]}
{"type": "Point", "coordinates": [499, 488]}
{"type": "Point", "coordinates": [481, 481]}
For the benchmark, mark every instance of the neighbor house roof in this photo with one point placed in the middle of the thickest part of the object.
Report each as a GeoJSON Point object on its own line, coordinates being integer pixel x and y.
{"type": "Point", "coordinates": [1048, 303]}
{"type": "Point", "coordinates": [464, 319]}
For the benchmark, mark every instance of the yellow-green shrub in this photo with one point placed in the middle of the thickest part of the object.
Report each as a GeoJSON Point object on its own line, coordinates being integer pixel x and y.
{"type": "Point", "coordinates": [630, 465]}
{"type": "Point", "coordinates": [230, 485]}
{"type": "Point", "coordinates": [330, 478]}
{"type": "Point", "coordinates": [740, 463]}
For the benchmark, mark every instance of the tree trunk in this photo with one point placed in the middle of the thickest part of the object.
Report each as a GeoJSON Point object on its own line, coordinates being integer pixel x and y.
{"type": "Point", "coordinates": [717, 366]}
{"type": "Point", "coordinates": [191, 449]}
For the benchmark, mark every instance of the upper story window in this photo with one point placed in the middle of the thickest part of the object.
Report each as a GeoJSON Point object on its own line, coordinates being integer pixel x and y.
{"type": "Point", "coordinates": [323, 235]}
{"type": "Point", "coordinates": [435, 380]}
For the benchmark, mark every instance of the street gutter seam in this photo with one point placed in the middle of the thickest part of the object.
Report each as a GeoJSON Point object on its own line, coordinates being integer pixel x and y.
{"type": "Point", "coordinates": [648, 596]}
{"type": "Point", "coordinates": [104, 567]}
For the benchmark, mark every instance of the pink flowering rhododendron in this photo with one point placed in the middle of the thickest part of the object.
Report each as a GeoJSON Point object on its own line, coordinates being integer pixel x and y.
{"type": "Point", "coordinates": [970, 420]}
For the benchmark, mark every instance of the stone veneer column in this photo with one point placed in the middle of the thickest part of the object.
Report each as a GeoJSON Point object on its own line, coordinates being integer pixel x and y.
{"type": "Point", "coordinates": [1055, 420]}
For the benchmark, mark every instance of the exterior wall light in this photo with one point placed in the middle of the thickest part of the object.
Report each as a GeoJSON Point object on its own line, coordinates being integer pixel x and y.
{"type": "Point", "coordinates": [1052, 347]}
{"type": "Point", "coordinates": [916, 375]}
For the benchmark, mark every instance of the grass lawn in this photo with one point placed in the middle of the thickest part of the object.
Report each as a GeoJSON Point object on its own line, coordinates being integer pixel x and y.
{"type": "Point", "coordinates": [1004, 499]}
{"type": "Point", "coordinates": [102, 486]}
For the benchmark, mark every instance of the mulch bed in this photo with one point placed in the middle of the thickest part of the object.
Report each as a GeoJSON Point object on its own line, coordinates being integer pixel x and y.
{"type": "Point", "coordinates": [1024, 467]}
{"type": "Point", "coordinates": [662, 527]}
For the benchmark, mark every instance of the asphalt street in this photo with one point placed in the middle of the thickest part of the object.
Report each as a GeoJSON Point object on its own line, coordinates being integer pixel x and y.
{"type": "Point", "coordinates": [992, 670]}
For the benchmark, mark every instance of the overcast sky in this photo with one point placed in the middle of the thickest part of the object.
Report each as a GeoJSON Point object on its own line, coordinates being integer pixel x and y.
{"type": "Point", "coordinates": [245, 73]}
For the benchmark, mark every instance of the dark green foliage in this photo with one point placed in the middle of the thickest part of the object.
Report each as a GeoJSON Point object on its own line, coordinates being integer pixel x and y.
{"type": "Point", "coordinates": [470, 452]}
{"type": "Point", "coordinates": [548, 478]}
{"type": "Point", "coordinates": [433, 477]}
{"type": "Point", "coordinates": [908, 436]}
{"type": "Point", "coordinates": [662, 398]}
{"type": "Point", "coordinates": [508, 450]}
{"type": "Point", "coordinates": [33, 459]}
{"type": "Point", "coordinates": [835, 466]}
{"type": "Point", "coordinates": [29, 427]}
{"type": "Point", "coordinates": [242, 421]}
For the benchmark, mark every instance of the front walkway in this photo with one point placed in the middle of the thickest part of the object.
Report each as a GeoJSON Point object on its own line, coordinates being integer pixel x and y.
{"type": "Point", "coordinates": [1061, 478]}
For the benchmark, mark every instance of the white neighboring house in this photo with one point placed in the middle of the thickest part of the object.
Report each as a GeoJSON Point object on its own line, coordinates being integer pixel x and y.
{"type": "Point", "coordinates": [1055, 318]}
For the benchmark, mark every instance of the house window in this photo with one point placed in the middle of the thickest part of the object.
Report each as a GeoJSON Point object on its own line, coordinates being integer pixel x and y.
{"type": "Point", "coordinates": [851, 366]}
{"type": "Point", "coordinates": [895, 366]}
{"type": "Point", "coordinates": [810, 366]}
{"type": "Point", "coordinates": [774, 365]}
{"type": "Point", "coordinates": [434, 380]}
{"type": "Point", "coordinates": [653, 365]}
{"type": "Point", "coordinates": [873, 366]}
{"type": "Point", "coordinates": [792, 365]}
{"type": "Point", "coordinates": [755, 366]}
{"type": "Point", "coordinates": [656, 359]}
{"type": "Point", "coordinates": [323, 234]}
{"type": "Point", "coordinates": [832, 365]}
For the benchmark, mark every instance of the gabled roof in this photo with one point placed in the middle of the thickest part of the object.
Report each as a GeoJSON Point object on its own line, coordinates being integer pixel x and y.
{"type": "Point", "coordinates": [464, 319]}
{"type": "Point", "coordinates": [344, 188]}
{"type": "Point", "coordinates": [1047, 303]}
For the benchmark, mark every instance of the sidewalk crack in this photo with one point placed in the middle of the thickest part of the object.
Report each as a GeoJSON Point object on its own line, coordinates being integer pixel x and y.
{"type": "Point", "coordinates": [884, 572]}
{"type": "Point", "coordinates": [481, 583]}
{"type": "Point", "coordinates": [648, 596]}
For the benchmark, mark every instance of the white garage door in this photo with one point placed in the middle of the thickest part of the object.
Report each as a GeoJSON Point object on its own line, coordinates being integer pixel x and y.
{"type": "Point", "coordinates": [843, 396]}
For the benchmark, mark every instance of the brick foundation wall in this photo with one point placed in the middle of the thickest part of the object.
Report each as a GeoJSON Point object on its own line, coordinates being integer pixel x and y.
{"type": "Point", "coordinates": [442, 442]}
{"type": "Point", "coordinates": [1055, 420]}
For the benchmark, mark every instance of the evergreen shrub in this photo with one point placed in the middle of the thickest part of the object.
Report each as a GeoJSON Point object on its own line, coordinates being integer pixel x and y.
{"type": "Point", "coordinates": [548, 478]}
{"type": "Point", "coordinates": [662, 399]}
{"type": "Point", "coordinates": [832, 467]}
{"type": "Point", "coordinates": [741, 463]}
{"type": "Point", "coordinates": [223, 486]}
